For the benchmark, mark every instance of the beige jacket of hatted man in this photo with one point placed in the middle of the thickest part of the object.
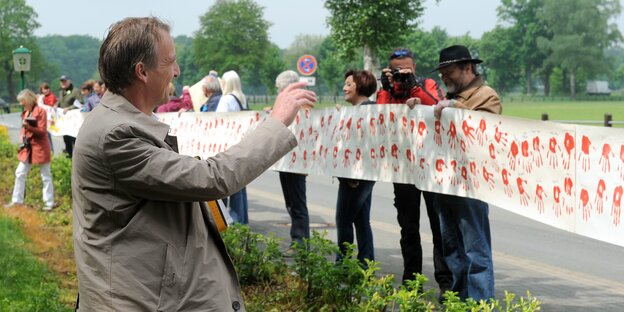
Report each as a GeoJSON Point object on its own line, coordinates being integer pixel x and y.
{"type": "Point", "coordinates": [478, 96]}
{"type": "Point", "coordinates": [142, 241]}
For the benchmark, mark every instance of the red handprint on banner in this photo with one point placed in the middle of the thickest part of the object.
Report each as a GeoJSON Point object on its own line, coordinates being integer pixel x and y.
{"type": "Point", "coordinates": [489, 178]}
{"type": "Point", "coordinates": [381, 124]}
{"type": "Point", "coordinates": [421, 164]}
{"type": "Point", "coordinates": [373, 130]}
{"type": "Point", "coordinates": [382, 156]}
{"type": "Point", "coordinates": [557, 200]}
{"type": "Point", "coordinates": [373, 158]}
{"type": "Point", "coordinates": [422, 132]}
{"type": "Point", "coordinates": [410, 158]}
{"type": "Point", "coordinates": [313, 155]}
{"type": "Point", "coordinates": [464, 175]}
{"type": "Point", "coordinates": [322, 121]}
{"type": "Point", "coordinates": [539, 198]}
{"type": "Point", "coordinates": [500, 137]}
{"type": "Point", "coordinates": [615, 209]}
{"type": "Point", "coordinates": [537, 152]}
{"type": "Point", "coordinates": [358, 127]}
{"type": "Point", "coordinates": [567, 187]}
{"type": "Point", "coordinates": [452, 134]}
{"type": "Point", "coordinates": [492, 151]}
{"type": "Point", "coordinates": [553, 150]}
{"type": "Point", "coordinates": [454, 175]}
{"type": "Point", "coordinates": [346, 162]}
{"type": "Point", "coordinates": [293, 159]}
{"type": "Point", "coordinates": [474, 175]}
{"type": "Point", "coordinates": [437, 136]}
{"type": "Point", "coordinates": [392, 125]}
{"type": "Point", "coordinates": [585, 204]}
{"type": "Point", "coordinates": [512, 155]}
{"type": "Point", "coordinates": [347, 130]}
{"type": "Point", "coordinates": [599, 200]}
{"type": "Point", "coordinates": [335, 162]}
{"type": "Point", "coordinates": [439, 170]}
{"type": "Point", "coordinates": [568, 143]}
{"type": "Point", "coordinates": [621, 165]}
{"type": "Point", "coordinates": [394, 152]}
{"type": "Point", "coordinates": [468, 132]}
{"type": "Point", "coordinates": [305, 159]}
{"type": "Point", "coordinates": [583, 157]}
{"type": "Point", "coordinates": [507, 188]}
{"type": "Point", "coordinates": [527, 164]}
{"type": "Point", "coordinates": [524, 196]}
{"type": "Point", "coordinates": [404, 125]}
{"type": "Point", "coordinates": [412, 125]}
{"type": "Point", "coordinates": [605, 158]}
{"type": "Point", "coordinates": [358, 160]}
{"type": "Point", "coordinates": [297, 119]}
{"type": "Point", "coordinates": [481, 135]}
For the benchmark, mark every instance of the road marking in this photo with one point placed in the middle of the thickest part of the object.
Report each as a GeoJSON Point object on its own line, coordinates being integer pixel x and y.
{"type": "Point", "coordinates": [522, 263]}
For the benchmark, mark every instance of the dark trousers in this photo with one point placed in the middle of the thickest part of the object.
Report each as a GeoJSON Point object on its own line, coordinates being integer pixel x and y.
{"type": "Point", "coordinates": [239, 207]}
{"type": "Point", "coordinates": [69, 144]}
{"type": "Point", "coordinates": [353, 209]}
{"type": "Point", "coordinates": [294, 189]}
{"type": "Point", "coordinates": [407, 203]}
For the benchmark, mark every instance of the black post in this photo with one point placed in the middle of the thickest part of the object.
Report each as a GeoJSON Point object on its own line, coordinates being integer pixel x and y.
{"type": "Point", "coordinates": [607, 120]}
{"type": "Point", "coordinates": [544, 117]}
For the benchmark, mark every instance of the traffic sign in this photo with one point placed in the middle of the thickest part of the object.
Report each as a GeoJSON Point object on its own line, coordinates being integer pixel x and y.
{"type": "Point", "coordinates": [306, 65]}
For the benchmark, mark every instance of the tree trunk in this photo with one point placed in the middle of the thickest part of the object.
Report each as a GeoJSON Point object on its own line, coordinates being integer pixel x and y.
{"type": "Point", "coordinates": [573, 83]}
{"type": "Point", "coordinates": [529, 76]}
{"type": "Point", "coordinates": [546, 72]}
{"type": "Point", "coordinates": [370, 60]}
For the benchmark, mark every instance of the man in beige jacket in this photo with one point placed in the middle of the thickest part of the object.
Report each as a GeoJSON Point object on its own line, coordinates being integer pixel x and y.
{"type": "Point", "coordinates": [143, 241]}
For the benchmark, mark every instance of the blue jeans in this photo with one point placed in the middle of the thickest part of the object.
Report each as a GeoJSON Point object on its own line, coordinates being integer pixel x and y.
{"type": "Point", "coordinates": [467, 246]}
{"type": "Point", "coordinates": [407, 204]}
{"type": "Point", "coordinates": [239, 207]}
{"type": "Point", "coordinates": [353, 208]}
{"type": "Point", "coordinates": [294, 189]}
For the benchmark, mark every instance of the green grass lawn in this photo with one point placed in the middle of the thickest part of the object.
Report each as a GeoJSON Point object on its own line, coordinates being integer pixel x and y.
{"type": "Point", "coordinates": [25, 283]}
{"type": "Point", "coordinates": [560, 110]}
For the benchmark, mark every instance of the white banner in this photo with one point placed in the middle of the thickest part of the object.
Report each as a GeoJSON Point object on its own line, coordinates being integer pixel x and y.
{"type": "Point", "coordinates": [567, 176]}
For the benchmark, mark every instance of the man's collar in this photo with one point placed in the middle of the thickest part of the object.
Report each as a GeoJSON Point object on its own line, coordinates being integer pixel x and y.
{"type": "Point", "coordinates": [468, 90]}
{"type": "Point", "coordinates": [121, 105]}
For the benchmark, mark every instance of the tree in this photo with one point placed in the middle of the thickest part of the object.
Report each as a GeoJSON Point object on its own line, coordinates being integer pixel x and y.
{"type": "Point", "coordinates": [426, 47]}
{"type": "Point", "coordinates": [303, 44]}
{"type": "Point", "coordinates": [233, 35]}
{"type": "Point", "coordinates": [18, 21]}
{"type": "Point", "coordinates": [189, 73]}
{"type": "Point", "coordinates": [501, 58]}
{"type": "Point", "coordinates": [75, 55]}
{"type": "Point", "coordinates": [331, 68]}
{"type": "Point", "coordinates": [375, 26]}
{"type": "Point", "coordinates": [581, 32]}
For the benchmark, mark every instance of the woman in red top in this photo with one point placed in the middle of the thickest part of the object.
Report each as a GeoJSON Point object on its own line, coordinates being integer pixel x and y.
{"type": "Point", "coordinates": [35, 149]}
{"type": "Point", "coordinates": [48, 96]}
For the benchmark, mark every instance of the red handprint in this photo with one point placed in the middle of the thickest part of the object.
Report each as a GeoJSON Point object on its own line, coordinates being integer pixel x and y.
{"type": "Point", "coordinates": [464, 175]}
{"type": "Point", "coordinates": [507, 187]}
{"type": "Point", "coordinates": [454, 177]}
{"type": "Point", "coordinates": [524, 197]}
{"type": "Point", "coordinates": [382, 156]}
{"type": "Point", "coordinates": [468, 132]}
{"type": "Point", "coordinates": [567, 186]}
{"type": "Point", "coordinates": [604, 158]}
{"type": "Point", "coordinates": [584, 154]}
{"type": "Point", "coordinates": [621, 165]}
{"type": "Point", "coordinates": [492, 151]}
{"type": "Point", "coordinates": [293, 159]}
{"type": "Point", "coordinates": [537, 152]}
{"type": "Point", "coordinates": [585, 204]}
{"type": "Point", "coordinates": [322, 121]}
{"type": "Point", "coordinates": [481, 135]}
{"type": "Point", "coordinates": [474, 174]}
{"type": "Point", "coordinates": [525, 159]}
{"type": "Point", "coordinates": [373, 157]}
{"type": "Point", "coordinates": [358, 126]}
{"type": "Point", "coordinates": [346, 162]}
{"type": "Point", "coordinates": [358, 160]}
{"type": "Point", "coordinates": [438, 137]}
{"type": "Point", "coordinates": [393, 125]}
{"type": "Point", "coordinates": [615, 209]}
{"type": "Point", "coordinates": [553, 148]}
{"type": "Point", "coordinates": [335, 163]}
{"type": "Point", "coordinates": [382, 125]}
{"type": "Point", "coordinates": [568, 143]}
{"type": "Point", "coordinates": [305, 159]}
{"type": "Point", "coordinates": [598, 201]}
{"type": "Point", "coordinates": [422, 131]}
{"type": "Point", "coordinates": [394, 152]}
{"type": "Point", "coordinates": [373, 131]}
{"type": "Point", "coordinates": [348, 129]}
{"type": "Point", "coordinates": [297, 119]}
{"type": "Point", "coordinates": [489, 178]}
{"type": "Point", "coordinates": [412, 125]}
{"type": "Point", "coordinates": [512, 155]}
{"type": "Point", "coordinates": [500, 137]}
{"type": "Point", "coordinates": [439, 173]}
{"type": "Point", "coordinates": [557, 200]}
{"type": "Point", "coordinates": [421, 165]}
{"type": "Point", "coordinates": [539, 198]}
{"type": "Point", "coordinates": [452, 133]}
{"type": "Point", "coordinates": [404, 126]}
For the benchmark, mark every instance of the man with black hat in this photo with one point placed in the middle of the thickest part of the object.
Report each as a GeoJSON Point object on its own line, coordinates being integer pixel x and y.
{"type": "Point", "coordinates": [464, 222]}
{"type": "Point", "coordinates": [67, 96]}
{"type": "Point", "coordinates": [400, 83]}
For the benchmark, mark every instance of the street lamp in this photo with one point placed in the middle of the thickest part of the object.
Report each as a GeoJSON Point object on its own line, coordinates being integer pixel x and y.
{"type": "Point", "coordinates": [21, 61]}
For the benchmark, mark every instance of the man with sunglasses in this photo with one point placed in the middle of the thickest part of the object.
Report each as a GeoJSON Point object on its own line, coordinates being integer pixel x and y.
{"type": "Point", "coordinates": [464, 222]}
{"type": "Point", "coordinates": [400, 83]}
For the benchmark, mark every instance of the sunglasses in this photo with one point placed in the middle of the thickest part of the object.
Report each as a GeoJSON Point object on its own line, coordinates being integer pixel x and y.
{"type": "Point", "coordinates": [401, 53]}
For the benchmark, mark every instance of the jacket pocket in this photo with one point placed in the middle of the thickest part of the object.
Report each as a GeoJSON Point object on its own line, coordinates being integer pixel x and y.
{"type": "Point", "coordinates": [168, 299]}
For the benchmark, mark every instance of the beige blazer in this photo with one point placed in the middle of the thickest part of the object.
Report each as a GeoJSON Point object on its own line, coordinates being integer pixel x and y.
{"type": "Point", "coordinates": [142, 242]}
{"type": "Point", "coordinates": [480, 97]}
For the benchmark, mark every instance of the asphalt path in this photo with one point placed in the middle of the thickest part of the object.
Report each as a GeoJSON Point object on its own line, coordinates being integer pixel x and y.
{"type": "Point", "coordinates": [565, 271]}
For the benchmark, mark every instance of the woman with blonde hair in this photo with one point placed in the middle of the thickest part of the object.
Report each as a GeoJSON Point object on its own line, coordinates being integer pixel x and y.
{"type": "Point", "coordinates": [35, 149]}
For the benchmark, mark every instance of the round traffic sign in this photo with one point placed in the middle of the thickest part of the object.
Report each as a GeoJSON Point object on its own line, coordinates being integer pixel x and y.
{"type": "Point", "coordinates": [306, 65]}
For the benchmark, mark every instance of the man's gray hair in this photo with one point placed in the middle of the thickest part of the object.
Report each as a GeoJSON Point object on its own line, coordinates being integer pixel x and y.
{"type": "Point", "coordinates": [286, 78]}
{"type": "Point", "coordinates": [211, 83]}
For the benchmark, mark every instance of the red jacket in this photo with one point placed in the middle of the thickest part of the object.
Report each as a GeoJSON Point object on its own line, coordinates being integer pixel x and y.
{"type": "Point", "coordinates": [430, 96]}
{"type": "Point", "coordinates": [39, 151]}
{"type": "Point", "coordinates": [49, 99]}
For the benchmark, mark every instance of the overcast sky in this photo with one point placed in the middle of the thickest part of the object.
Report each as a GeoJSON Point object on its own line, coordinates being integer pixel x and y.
{"type": "Point", "coordinates": [288, 17]}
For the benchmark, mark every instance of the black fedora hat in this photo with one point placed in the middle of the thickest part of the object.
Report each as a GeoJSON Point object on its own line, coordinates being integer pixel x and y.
{"type": "Point", "coordinates": [455, 54]}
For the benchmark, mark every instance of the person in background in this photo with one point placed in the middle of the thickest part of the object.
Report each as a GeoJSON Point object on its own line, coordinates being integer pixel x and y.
{"type": "Point", "coordinates": [68, 95]}
{"type": "Point", "coordinates": [400, 83]}
{"type": "Point", "coordinates": [354, 196]}
{"type": "Point", "coordinates": [47, 98]}
{"type": "Point", "coordinates": [294, 184]}
{"type": "Point", "coordinates": [464, 222]}
{"type": "Point", "coordinates": [91, 99]}
{"type": "Point", "coordinates": [212, 90]}
{"type": "Point", "coordinates": [35, 150]}
{"type": "Point", "coordinates": [177, 104]}
{"type": "Point", "coordinates": [100, 88]}
{"type": "Point", "coordinates": [144, 239]}
{"type": "Point", "coordinates": [233, 100]}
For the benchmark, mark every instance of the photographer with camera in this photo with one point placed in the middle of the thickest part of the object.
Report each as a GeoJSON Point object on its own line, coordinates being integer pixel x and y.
{"type": "Point", "coordinates": [400, 83]}
{"type": "Point", "coordinates": [35, 149]}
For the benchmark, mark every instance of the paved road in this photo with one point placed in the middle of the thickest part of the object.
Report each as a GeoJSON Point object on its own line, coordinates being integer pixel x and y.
{"type": "Point", "coordinates": [567, 272]}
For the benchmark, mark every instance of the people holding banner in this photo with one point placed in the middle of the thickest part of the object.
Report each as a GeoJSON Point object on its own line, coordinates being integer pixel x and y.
{"type": "Point", "coordinates": [143, 239]}
{"type": "Point", "coordinates": [354, 196]}
{"type": "Point", "coordinates": [91, 99]}
{"type": "Point", "coordinates": [69, 98]}
{"type": "Point", "coordinates": [34, 149]}
{"type": "Point", "coordinates": [400, 83]}
{"type": "Point", "coordinates": [211, 87]}
{"type": "Point", "coordinates": [464, 222]}
{"type": "Point", "coordinates": [294, 184]}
